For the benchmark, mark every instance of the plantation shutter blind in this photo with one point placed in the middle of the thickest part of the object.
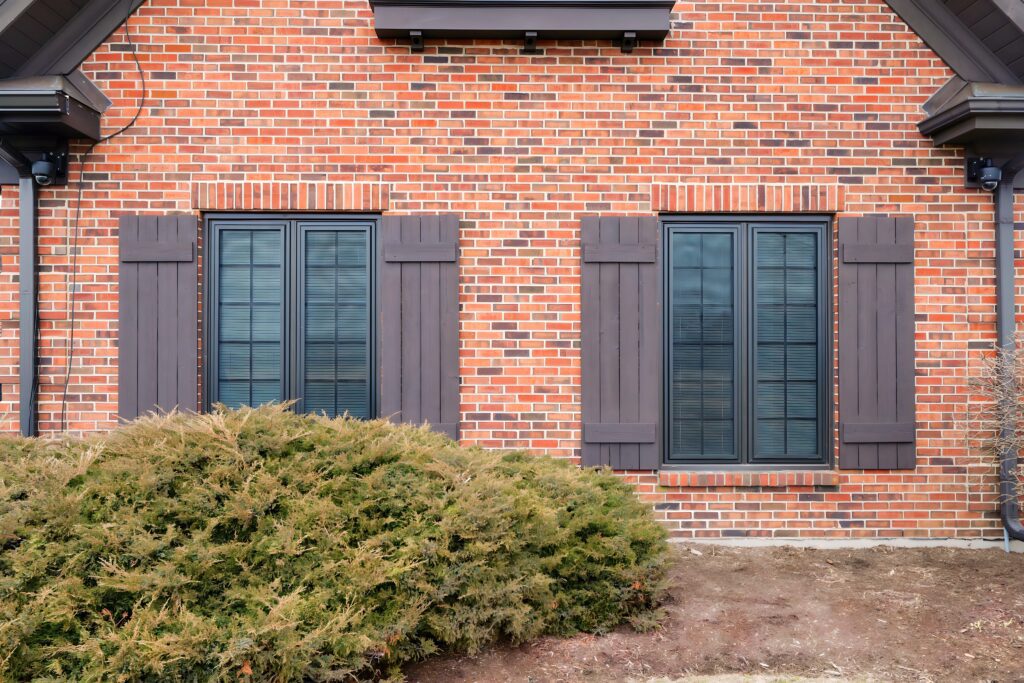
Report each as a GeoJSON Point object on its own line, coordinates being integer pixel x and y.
{"type": "Point", "coordinates": [876, 343]}
{"type": "Point", "coordinates": [621, 342]}
{"type": "Point", "coordinates": [158, 309]}
{"type": "Point", "coordinates": [419, 321]}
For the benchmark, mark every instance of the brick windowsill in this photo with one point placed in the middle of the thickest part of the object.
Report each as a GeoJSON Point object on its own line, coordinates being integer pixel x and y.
{"type": "Point", "coordinates": [738, 479]}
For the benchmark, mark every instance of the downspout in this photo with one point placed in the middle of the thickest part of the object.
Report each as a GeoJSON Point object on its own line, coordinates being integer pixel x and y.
{"type": "Point", "coordinates": [28, 214]}
{"type": "Point", "coordinates": [1006, 327]}
{"type": "Point", "coordinates": [27, 274]}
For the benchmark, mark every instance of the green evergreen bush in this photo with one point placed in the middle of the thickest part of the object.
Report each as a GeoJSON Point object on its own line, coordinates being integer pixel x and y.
{"type": "Point", "coordinates": [260, 544]}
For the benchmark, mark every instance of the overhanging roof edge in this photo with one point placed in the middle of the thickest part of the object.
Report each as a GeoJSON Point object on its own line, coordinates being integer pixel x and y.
{"type": "Point", "coordinates": [952, 41]}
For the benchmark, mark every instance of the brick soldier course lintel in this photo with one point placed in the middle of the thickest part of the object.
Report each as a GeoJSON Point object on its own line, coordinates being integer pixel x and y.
{"type": "Point", "coordinates": [289, 196]}
{"type": "Point", "coordinates": [754, 198]}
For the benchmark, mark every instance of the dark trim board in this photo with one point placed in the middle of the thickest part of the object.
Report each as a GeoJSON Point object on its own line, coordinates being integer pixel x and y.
{"type": "Point", "coordinates": [598, 19]}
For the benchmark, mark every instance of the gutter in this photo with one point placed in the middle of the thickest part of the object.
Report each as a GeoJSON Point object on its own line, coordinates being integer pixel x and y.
{"type": "Point", "coordinates": [1006, 328]}
{"type": "Point", "coordinates": [967, 110]}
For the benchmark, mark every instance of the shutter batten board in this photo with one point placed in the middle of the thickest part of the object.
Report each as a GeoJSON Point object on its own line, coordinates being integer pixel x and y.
{"type": "Point", "coordinates": [430, 314]}
{"type": "Point", "coordinates": [878, 253]}
{"type": "Point", "coordinates": [421, 252]}
{"type": "Point", "coordinates": [158, 342]}
{"type": "Point", "coordinates": [142, 252]}
{"type": "Point", "coordinates": [610, 351]}
{"type": "Point", "coordinates": [128, 323]}
{"type": "Point", "coordinates": [651, 340]}
{"type": "Point", "coordinates": [884, 433]}
{"type": "Point", "coordinates": [620, 433]}
{"type": "Point", "coordinates": [620, 253]}
{"type": "Point", "coordinates": [876, 343]}
{"type": "Point", "coordinates": [590, 338]}
{"type": "Point", "coordinates": [621, 342]}
{"type": "Point", "coordinates": [629, 338]}
{"type": "Point", "coordinates": [419, 312]}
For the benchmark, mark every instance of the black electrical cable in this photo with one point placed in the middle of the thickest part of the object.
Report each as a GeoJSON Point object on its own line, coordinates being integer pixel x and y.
{"type": "Point", "coordinates": [83, 160]}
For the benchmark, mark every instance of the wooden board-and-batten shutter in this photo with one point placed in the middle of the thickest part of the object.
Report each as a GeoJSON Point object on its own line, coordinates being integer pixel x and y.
{"type": "Point", "coordinates": [419, 321]}
{"type": "Point", "coordinates": [621, 342]}
{"type": "Point", "coordinates": [158, 319]}
{"type": "Point", "coordinates": [876, 343]}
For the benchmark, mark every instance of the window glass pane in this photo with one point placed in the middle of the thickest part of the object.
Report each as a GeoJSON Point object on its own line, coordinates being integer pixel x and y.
{"type": "Point", "coordinates": [703, 352]}
{"type": "Point", "coordinates": [249, 333]}
{"type": "Point", "coordinates": [786, 354]}
{"type": "Point", "coordinates": [336, 322]}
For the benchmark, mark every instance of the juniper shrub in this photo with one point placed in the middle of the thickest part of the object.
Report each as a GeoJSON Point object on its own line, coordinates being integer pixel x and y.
{"type": "Point", "coordinates": [260, 544]}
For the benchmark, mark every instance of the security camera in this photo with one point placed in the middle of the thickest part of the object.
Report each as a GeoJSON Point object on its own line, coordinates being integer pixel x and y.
{"type": "Point", "coordinates": [990, 177]}
{"type": "Point", "coordinates": [45, 172]}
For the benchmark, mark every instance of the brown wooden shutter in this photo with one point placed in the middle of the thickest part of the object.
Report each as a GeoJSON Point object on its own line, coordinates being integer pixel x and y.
{"type": "Point", "coordinates": [419, 314]}
{"type": "Point", "coordinates": [876, 343]}
{"type": "Point", "coordinates": [622, 322]}
{"type": "Point", "coordinates": [158, 304]}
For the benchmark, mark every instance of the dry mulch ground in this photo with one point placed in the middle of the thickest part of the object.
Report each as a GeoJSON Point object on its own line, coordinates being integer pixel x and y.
{"type": "Point", "coordinates": [878, 614]}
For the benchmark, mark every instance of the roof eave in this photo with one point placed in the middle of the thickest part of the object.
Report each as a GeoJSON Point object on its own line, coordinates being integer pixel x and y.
{"type": "Point", "coordinates": [986, 126]}
{"type": "Point", "coordinates": [49, 106]}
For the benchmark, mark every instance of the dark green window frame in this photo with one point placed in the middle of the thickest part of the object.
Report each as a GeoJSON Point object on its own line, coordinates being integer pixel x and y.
{"type": "Point", "coordinates": [745, 373]}
{"type": "Point", "coordinates": [293, 229]}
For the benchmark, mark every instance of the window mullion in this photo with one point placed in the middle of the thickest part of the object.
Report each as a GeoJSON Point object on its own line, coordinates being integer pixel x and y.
{"type": "Point", "coordinates": [745, 319]}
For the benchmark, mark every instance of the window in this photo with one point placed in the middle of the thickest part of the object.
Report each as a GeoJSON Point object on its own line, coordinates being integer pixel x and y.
{"type": "Point", "coordinates": [290, 313]}
{"type": "Point", "coordinates": [747, 348]}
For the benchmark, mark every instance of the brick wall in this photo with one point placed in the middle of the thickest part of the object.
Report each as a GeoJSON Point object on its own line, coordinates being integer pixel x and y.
{"type": "Point", "coordinates": [294, 104]}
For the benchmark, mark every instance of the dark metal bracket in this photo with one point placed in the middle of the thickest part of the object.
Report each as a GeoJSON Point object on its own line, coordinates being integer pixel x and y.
{"type": "Point", "coordinates": [629, 42]}
{"type": "Point", "coordinates": [59, 159]}
{"type": "Point", "coordinates": [530, 43]}
{"type": "Point", "coordinates": [972, 168]}
{"type": "Point", "coordinates": [416, 41]}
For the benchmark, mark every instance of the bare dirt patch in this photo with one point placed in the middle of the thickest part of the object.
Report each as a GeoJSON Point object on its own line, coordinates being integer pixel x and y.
{"type": "Point", "coordinates": [891, 614]}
